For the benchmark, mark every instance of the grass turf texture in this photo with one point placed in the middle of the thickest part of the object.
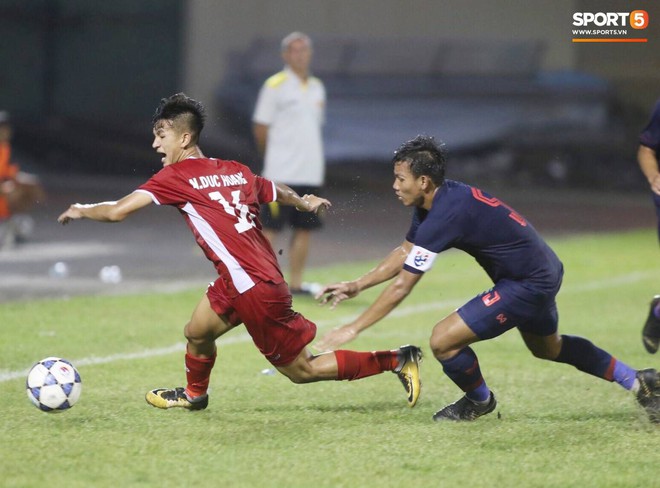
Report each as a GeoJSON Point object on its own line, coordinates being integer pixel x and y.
{"type": "Point", "coordinates": [554, 426]}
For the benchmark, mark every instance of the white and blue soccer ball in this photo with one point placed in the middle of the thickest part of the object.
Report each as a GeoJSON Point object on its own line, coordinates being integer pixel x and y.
{"type": "Point", "coordinates": [53, 385]}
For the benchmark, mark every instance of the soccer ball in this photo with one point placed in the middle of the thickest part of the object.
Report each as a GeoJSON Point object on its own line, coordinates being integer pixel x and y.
{"type": "Point", "coordinates": [53, 385]}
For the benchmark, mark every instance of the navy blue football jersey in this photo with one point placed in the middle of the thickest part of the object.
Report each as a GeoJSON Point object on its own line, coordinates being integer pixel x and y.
{"type": "Point", "coordinates": [500, 239]}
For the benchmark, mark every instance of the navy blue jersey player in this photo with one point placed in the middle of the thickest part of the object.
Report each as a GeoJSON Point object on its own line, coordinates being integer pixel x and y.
{"type": "Point", "coordinates": [647, 156]}
{"type": "Point", "coordinates": [526, 273]}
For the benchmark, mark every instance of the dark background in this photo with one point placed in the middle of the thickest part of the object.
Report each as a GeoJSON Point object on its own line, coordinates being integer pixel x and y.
{"type": "Point", "coordinates": [81, 79]}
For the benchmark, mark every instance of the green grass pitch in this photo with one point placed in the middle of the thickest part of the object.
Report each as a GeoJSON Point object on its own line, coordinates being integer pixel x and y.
{"type": "Point", "coordinates": [554, 426]}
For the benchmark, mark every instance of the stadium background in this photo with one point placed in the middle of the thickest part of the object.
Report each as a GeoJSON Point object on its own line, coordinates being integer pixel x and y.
{"type": "Point", "coordinates": [81, 80]}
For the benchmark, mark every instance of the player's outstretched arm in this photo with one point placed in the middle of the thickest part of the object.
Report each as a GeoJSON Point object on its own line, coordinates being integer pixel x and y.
{"type": "Point", "coordinates": [106, 211]}
{"type": "Point", "coordinates": [394, 294]}
{"type": "Point", "coordinates": [384, 271]}
{"type": "Point", "coordinates": [307, 203]}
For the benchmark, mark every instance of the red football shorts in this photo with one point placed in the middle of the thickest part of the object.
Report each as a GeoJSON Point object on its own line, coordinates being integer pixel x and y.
{"type": "Point", "coordinates": [277, 330]}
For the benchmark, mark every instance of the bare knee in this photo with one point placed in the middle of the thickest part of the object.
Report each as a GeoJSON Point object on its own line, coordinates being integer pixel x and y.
{"type": "Point", "coordinates": [299, 375]}
{"type": "Point", "coordinates": [201, 339]}
{"type": "Point", "coordinates": [439, 347]}
{"type": "Point", "coordinates": [544, 353]}
{"type": "Point", "coordinates": [450, 336]}
{"type": "Point", "coordinates": [547, 347]}
{"type": "Point", "coordinates": [442, 348]}
{"type": "Point", "coordinates": [308, 368]}
{"type": "Point", "coordinates": [300, 379]}
{"type": "Point", "coordinates": [197, 335]}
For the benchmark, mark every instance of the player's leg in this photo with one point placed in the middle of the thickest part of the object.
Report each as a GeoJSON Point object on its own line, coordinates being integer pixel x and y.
{"type": "Point", "coordinates": [582, 354]}
{"type": "Point", "coordinates": [588, 358]}
{"type": "Point", "coordinates": [651, 330]}
{"type": "Point", "coordinates": [342, 364]}
{"type": "Point", "coordinates": [450, 342]}
{"type": "Point", "coordinates": [484, 317]}
{"type": "Point", "coordinates": [282, 335]}
{"type": "Point", "coordinates": [303, 225]}
{"type": "Point", "coordinates": [204, 327]}
{"type": "Point", "coordinates": [308, 368]}
{"type": "Point", "coordinates": [211, 318]}
{"type": "Point", "coordinates": [353, 365]}
{"type": "Point", "coordinates": [299, 251]}
{"type": "Point", "coordinates": [542, 338]}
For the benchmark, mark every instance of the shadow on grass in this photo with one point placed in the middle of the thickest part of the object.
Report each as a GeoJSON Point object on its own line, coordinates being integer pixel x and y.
{"type": "Point", "coordinates": [362, 408]}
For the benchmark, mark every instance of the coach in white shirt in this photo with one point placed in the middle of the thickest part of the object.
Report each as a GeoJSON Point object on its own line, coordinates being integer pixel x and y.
{"type": "Point", "coordinates": [287, 125]}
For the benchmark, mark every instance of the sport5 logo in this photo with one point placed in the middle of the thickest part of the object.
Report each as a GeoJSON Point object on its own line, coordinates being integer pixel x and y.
{"type": "Point", "coordinates": [421, 258]}
{"type": "Point", "coordinates": [490, 298]}
{"type": "Point", "coordinates": [638, 19]}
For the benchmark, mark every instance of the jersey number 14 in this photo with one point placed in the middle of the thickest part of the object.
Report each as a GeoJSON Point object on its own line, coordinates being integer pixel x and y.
{"type": "Point", "coordinates": [236, 208]}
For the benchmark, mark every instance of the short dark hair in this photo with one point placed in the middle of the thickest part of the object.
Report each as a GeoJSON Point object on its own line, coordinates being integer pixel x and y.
{"type": "Point", "coordinates": [425, 156]}
{"type": "Point", "coordinates": [181, 109]}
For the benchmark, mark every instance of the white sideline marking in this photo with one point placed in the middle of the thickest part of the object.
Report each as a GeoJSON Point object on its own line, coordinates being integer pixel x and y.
{"type": "Point", "coordinates": [611, 282]}
{"type": "Point", "coordinates": [60, 251]}
{"type": "Point", "coordinates": [397, 313]}
{"type": "Point", "coordinates": [236, 339]}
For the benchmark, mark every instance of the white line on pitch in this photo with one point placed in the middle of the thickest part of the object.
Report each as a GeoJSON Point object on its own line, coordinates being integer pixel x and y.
{"type": "Point", "coordinates": [397, 313]}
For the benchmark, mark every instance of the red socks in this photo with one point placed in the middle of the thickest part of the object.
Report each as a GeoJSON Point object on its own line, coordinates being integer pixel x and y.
{"type": "Point", "coordinates": [198, 373]}
{"type": "Point", "coordinates": [352, 365]}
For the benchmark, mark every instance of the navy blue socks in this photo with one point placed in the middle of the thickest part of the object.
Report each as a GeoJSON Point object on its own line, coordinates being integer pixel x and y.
{"type": "Point", "coordinates": [463, 369]}
{"type": "Point", "coordinates": [586, 357]}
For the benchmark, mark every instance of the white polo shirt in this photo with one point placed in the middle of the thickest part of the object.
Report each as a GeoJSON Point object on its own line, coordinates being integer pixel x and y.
{"type": "Point", "coordinates": [294, 112]}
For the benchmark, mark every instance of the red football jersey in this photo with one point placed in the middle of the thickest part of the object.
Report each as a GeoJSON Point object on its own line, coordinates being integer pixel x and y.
{"type": "Point", "coordinates": [220, 202]}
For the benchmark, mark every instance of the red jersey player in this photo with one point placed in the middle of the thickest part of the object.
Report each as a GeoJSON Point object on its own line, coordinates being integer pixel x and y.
{"type": "Point", "coordinates": [220, 202]}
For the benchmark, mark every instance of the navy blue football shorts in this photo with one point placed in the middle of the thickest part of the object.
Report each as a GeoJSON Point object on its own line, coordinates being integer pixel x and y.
{"type": "Point", "coordinates": [511, 304]}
